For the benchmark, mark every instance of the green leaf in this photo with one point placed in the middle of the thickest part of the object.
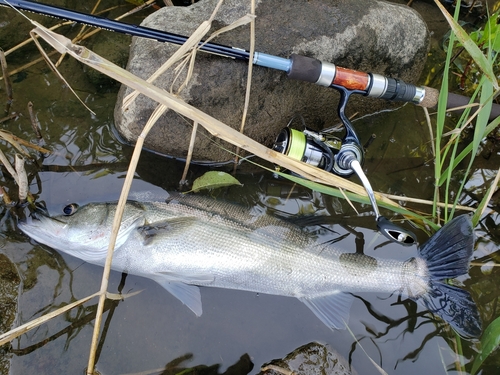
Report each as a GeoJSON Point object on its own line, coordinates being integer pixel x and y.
{"type": "Point", "coordinates": [213, 180]}
{"type": "Point", "coordinates": [489, 343]}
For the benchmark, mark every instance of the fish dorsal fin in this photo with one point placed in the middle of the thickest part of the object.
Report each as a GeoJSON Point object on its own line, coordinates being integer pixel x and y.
{"type": "Point", "coordinates": [332, 310]}
{"type": "Point", "coordinates": [189, 295]}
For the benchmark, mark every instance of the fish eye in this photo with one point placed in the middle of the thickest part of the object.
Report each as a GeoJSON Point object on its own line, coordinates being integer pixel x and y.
{"type": "Point", "coordinates": [70, 209]}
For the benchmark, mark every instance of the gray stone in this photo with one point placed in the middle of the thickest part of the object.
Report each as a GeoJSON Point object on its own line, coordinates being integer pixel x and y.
{"type": "Point", "coordinates": [310, 359]}
{"type": "Point", "coordinates": [367, 35]}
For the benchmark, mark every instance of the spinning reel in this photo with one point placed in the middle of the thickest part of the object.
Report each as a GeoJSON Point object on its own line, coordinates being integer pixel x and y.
{"type": "Point", "coordinates": [342, 157]}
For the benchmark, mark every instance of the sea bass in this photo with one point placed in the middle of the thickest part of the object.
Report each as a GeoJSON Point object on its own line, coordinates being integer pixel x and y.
{"type": "Point", "coordinates": [186, 242]}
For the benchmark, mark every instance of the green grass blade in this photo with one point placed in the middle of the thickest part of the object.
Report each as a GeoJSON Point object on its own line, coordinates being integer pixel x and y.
{"type": "Point", "coordinates": [471, 47]}
{"type": "Point", "coordinates": [491, 126]}
{"type": "Point", "coordinates": [489, 342]}
{"type": "Point", "coordinates": [440, 120]}
{"type": "Point", "coordinates": [354, 197]}
{"type": "Point", "coordinates": [479, 130]}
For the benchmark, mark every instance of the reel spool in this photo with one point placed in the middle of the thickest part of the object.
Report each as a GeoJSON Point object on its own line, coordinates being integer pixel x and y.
{"type": "Point", "coordinates": [309, 147]}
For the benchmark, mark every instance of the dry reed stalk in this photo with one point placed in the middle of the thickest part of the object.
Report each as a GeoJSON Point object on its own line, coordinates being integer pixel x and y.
{"type": "Point", "coordinates": [17, 142]}
{"type": "Point", "coordinates": [22, 178]}
{"type": "Point", "coordinates": [114, 234]}
{"type": "Point", "coordinates": [8, 166]}
{"type": "Point", "coordinates": [185, 48]}
{"type": "Point", "coordinates": [54, 69]}
{"type": "Point", "coordinates": [426, 202]}
{"type": "Point", "coordinates": [249, 79]}
{"type": "Point", "coordinates": [82, 35]}
{"type": "Point", "coordinates": [16, 332]}
{"type": "Point", "coordinates": [213, 126]}
{"type": "Point", "coordinates": [189, 154]}
{"type": "Point", "coordinates": [492, 190]}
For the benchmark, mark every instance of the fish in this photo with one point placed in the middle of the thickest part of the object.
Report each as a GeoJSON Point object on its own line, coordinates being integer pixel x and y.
{"type": "Point", "coordinates": [187, 242]}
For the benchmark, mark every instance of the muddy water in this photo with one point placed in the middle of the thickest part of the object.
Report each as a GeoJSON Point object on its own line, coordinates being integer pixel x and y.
{"type": "Point", "coordinates": [152, 331]}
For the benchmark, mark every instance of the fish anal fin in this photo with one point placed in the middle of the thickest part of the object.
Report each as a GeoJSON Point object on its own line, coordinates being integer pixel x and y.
{"type": "Point", "coordinates": [189, 295]}
{"type": "Point", "coordinates": [332, 310]}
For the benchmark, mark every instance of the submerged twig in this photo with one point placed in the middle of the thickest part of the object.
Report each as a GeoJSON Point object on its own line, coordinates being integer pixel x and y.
{"type": "Point", "coordinates": [8, 83]}
{"type": "Point", "coordinates": [9, 117]}
{"type": "Point", "coordinates": [35, 124]}
{"type": "Point", "coordinates": [431, 133]}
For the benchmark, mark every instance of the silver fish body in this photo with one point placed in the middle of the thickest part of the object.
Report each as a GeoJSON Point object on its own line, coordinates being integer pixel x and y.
{"type": "Point", "coordinates": [188, 242]}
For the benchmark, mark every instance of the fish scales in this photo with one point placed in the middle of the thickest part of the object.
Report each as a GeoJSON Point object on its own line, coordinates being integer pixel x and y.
{"type": "Point", "coordinates": [270, 259]}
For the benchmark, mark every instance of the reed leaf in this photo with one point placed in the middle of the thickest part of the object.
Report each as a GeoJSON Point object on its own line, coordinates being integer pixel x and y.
{"type": "Point", "coordinates": [491, 126]}
{"type": "Point", "coordinates": [490, 341]}
{"type": "Point", "coordinates": [471, 47]}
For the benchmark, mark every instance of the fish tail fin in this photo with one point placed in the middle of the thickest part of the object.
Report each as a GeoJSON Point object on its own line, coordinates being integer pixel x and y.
{"type": "Point", "coordinates": [455, 306]}
{"type": "Point", "coordinates": [447, 254]}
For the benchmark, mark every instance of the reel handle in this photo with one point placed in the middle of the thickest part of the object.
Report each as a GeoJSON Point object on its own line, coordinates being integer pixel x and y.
{"type": "Point", "coordinates": [387, 228]}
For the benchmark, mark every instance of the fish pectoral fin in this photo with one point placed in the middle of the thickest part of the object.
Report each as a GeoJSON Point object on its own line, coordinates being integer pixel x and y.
{"type": "Point", "coordinates": [332, 309]}
{"type": "Point", "coordinates": [168, 227]}
{"type": "Point", "coordinates": [189, 295]}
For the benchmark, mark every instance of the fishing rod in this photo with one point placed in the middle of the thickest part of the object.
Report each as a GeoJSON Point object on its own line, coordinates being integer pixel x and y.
{"type": "Point", "coordinates": [297, 67]}
{"type": "Point", "coordinates": [343, 157]}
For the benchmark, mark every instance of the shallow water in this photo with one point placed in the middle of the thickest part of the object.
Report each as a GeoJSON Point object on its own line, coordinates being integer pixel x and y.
{"type": "Point", "coordinates": [144, 333]}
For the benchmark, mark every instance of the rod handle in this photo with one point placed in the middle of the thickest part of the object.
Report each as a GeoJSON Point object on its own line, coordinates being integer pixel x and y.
{"type": "Point", "coordinates": [374, 85]}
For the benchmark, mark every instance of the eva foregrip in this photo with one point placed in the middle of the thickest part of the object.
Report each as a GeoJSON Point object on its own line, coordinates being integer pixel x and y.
{"type": "Point", "coordinates": [305, 68]}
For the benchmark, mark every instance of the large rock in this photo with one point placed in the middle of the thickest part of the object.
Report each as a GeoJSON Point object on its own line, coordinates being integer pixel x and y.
{"type": "Point", "coordinates": [367, 35]}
